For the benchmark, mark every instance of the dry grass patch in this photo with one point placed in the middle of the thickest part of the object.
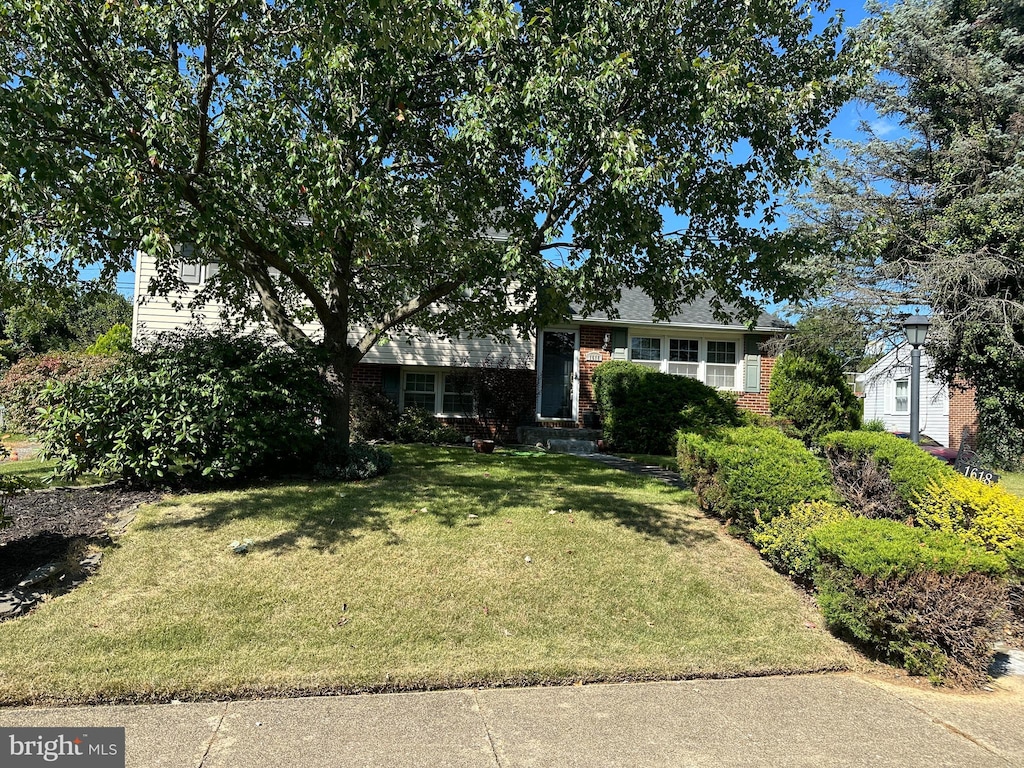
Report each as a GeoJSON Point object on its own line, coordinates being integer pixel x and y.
{"type": "Point", "coordinates": [455, 569]}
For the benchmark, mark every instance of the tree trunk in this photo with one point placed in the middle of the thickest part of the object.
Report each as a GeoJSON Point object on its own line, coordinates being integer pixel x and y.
{"type": "Point", "coordinates": [338, 427]}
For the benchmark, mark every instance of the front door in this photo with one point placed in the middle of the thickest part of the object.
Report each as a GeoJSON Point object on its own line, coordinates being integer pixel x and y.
{"type": "Point", "coordinates": [558, 374]}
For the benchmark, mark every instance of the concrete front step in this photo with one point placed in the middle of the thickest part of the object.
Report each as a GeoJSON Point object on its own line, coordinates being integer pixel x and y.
{"type": "Point", "coordinates": [568, 440]}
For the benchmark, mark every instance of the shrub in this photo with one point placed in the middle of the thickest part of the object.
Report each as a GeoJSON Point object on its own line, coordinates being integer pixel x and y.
{"type": "Point", "coordinates": [643, 409]}
{"type": "Point", "coordinates": [115, 341]}
{"type": "Point", "coordinates": [922, 599]}
{"type": "Point", "coordinates": [418, 425]}
{"type": "Point", "coordinates": [875, 425]}
{"type": "Point", "coordinates": [908, 467]}
{"type": "Point", "coordinates": [22, 387]}
{"type": "Point", "coordinates": [982, 514]}
{"type": "Point", "coordinates": [192, 406]}
{"type": "Point", "coordinates": [750, 474]}
{"type": "Point", "coordinates": [374, 415]}
{"type": "Point", "coordinates": [10, 486]}
{"type": "Point", "coordinates": [811, 391]}
{"type": "Point", "coordinates": [505, 391]}
{"type": "Point", "coordinates": [362, 463]}
{"type": "Point", "coordinates": [785, 539]}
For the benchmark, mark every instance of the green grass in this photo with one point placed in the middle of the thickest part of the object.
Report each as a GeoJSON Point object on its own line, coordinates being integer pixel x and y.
{"type": "Point", "coordinates": [665, 462]}
{"type": "Point", "coordinates": [1013, 482]}
{"type": "Point", "coordinates": [418, 579]}
{"type": "Point", "coordinates": [36, 474]}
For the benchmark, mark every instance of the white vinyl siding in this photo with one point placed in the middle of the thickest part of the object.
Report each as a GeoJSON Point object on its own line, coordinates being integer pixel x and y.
{"type": "Point", "coordinates": [713, 361]}
{"type": "Point", "coordinates": [153, 315]}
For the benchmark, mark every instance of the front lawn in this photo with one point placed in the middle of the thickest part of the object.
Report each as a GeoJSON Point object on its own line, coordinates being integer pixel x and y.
{"type": "Point", "coordinates": [1013, 482]}
{"type": "Point", "coordinates": [456, 569]}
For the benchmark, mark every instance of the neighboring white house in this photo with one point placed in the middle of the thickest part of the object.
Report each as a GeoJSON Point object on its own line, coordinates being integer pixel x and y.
{"type": "Point", "coordinates": [943, 415]}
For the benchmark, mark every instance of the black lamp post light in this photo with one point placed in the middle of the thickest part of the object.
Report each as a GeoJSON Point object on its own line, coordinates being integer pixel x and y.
{"type": "Point", "coordinates": [916, 329]}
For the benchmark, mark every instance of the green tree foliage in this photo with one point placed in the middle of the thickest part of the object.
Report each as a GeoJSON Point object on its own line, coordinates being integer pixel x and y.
{"type": "Point", "coordinates": [345, 162]}
{"type": "Point", "coordinates": [39, 318]}
{"type": "Point", "coordinates": [812, 393]}
{"type": "Point", "coordinates": [118, 339]}
{"type": "Point", "coordinates": [927, 208]}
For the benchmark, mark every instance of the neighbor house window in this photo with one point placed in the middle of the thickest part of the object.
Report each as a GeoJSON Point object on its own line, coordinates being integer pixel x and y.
{"type": "Point", "coordinates": [901, 403]}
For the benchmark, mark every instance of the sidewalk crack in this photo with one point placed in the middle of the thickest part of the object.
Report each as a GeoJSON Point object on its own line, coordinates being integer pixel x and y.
{"type": "Point", "coordinates": [213, 736]}
{"type": "Point", "coordinates": [942, 723]}
{"type": "Point", "coordinates": [487, 728]}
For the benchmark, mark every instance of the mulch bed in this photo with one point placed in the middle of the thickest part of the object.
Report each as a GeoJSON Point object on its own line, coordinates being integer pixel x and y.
{"type": "Point", "coordinates": [47, 524]}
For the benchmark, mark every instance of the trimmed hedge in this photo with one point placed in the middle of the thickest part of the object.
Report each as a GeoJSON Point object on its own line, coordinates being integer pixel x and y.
{"type": "Point", "coordinates": [922, 599]}
{"type": "Point", "coordinates": [642, 409]}
{"type": "Point", "coordinates": [910, 469]}
{"type": "Point", "coordinates": [750, 474]}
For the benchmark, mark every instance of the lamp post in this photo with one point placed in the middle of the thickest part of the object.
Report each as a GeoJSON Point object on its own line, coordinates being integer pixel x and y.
{"type": "Point", "coordinates": [916, 329]}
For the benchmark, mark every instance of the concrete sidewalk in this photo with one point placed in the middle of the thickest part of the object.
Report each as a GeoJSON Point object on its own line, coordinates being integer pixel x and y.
{"type": "Point", "coordinates": [814, 720]}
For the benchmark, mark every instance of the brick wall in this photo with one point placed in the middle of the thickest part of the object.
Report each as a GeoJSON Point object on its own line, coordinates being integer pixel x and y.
{"type": "Point", "coordinates": [367, 375]}
{"type": "Point", "coordinates": [591, 343]}
{"type": "Point", "coordinates": [962, 413]}
{"type": "Point", "coordinates": [757, 402]}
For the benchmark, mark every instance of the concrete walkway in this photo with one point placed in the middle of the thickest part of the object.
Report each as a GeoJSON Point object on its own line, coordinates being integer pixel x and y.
{"type": "Point", "coordinates": [813, 720]}
{"type": "Point", "coordinates": [666, 476]}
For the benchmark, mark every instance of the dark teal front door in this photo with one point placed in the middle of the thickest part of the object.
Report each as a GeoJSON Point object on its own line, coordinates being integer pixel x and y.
{"type": "Point", "coordinates": [558, 363]}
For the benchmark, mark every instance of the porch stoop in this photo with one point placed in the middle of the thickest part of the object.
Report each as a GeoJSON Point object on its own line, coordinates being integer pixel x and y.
{"type": "Point", "coordinates": [569, 440]}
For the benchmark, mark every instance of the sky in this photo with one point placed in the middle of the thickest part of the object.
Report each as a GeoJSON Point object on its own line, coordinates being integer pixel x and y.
{"type": "Point", "coordinates": [843, 126]}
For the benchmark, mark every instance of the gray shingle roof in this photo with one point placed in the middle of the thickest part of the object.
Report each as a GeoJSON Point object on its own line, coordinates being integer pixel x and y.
{"type": "Point", "coordinates": [635, 306]}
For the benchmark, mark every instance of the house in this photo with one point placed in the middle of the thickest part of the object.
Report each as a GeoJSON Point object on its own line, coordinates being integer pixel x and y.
{"type": "Point", "coordinates": [555, 364]}
{"type": "Point", "coordinates": [945, 411]}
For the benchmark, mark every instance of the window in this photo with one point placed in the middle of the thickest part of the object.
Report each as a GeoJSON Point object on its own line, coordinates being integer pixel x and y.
{"type": "Point", "coordinates": [452, 395]}
{"type": "Point", "coordinates": [721, 369]}
{"type": "Point", "coordinates": [645, 349]}
{"type": "Point", "coordinates": [420, 391]}
{"type": "Point", "coordinates": [713, 362]}
{"type": "Point", "coordinates": [683, 350]}
{"type": "Point", "coordinates": [902, 398]}
{"type": "Point", "coordinates": [458, 395]}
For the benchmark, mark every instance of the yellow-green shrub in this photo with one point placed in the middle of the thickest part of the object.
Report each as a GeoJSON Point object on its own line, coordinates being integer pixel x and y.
{"type": "Point", "coordinates": [785, 539]}
{"type": "Point", "coordinates": [982, 514]}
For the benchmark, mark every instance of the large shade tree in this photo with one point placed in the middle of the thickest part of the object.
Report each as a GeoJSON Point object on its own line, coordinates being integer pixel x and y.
{"type": "Point", "coordinates": [346, 162]}
{"type": "Point", "coordinates": [929, 207]}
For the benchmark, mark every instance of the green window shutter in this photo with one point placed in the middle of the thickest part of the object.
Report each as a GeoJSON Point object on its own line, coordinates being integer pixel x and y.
{"type": "Point", "coordinates": [391, 383]}
{"type": "Point", "coordinates": [752, 373]}
{"type": "Point", "coordinates": [620, 340]}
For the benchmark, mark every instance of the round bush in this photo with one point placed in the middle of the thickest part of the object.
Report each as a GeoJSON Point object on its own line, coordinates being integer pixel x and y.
{"type": "Point", "coordinates": [811, 392]}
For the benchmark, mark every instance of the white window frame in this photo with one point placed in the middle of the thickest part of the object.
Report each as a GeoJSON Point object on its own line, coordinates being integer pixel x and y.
{"type": "Point", "coordinates": [895, 396]}
{"type": "Point", "coordinates": [702, 355]}
{"type": "Point", "coordinates": [440, 375]}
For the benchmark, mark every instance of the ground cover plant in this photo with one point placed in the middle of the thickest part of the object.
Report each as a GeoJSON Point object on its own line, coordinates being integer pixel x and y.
{"type": "Point", "coordinates": [454, 569]}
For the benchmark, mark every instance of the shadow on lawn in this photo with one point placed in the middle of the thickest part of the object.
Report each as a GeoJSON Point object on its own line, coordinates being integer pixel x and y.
{"type": "Point", "coordinates": [451, 485]}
